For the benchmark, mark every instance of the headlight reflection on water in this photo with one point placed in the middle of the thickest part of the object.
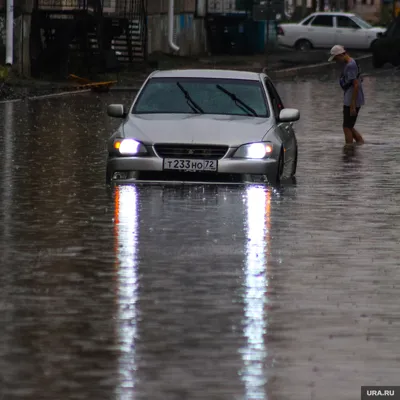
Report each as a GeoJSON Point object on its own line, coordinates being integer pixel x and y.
{"type": "Point", "coordinates": [126, 242]}
{"type": "Point", "coordinates": [256, 285]}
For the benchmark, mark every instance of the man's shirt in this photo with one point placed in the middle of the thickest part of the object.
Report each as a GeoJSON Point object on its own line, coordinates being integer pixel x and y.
{"type": "Point", "coordinates": [350, 72]}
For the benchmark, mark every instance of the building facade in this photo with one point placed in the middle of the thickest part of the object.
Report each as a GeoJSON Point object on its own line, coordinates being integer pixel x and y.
{"type": "Point", "coordinates": [189, 31]}
{"type": "Point", "coordinates": [370, 10]}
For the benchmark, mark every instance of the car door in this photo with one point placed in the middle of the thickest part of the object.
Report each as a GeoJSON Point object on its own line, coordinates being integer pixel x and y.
{"type": "Point", "coordinates": [286, 130]}
{"type": "Point", "coordinates": [321, 31]}
{"type": "Point", "coordinates": [292, 32]}
{"type": "Point", "coordinates": [349, 34]}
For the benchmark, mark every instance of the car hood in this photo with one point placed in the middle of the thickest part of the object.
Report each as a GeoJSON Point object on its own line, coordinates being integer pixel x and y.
{"type": "Point", "coordinates": [377, 29]}
{"type": "Point", "coordinates": [202, 129]}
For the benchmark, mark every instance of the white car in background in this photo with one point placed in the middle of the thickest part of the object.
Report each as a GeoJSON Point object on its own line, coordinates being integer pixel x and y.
{"type": "Point", "coordinates": [325, 29]}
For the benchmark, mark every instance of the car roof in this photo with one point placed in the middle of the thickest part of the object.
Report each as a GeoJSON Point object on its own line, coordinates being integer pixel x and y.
{"type": "Point", "coordinates": [207, 73]}
{"type": "Point", "coordinates": [333, 13]}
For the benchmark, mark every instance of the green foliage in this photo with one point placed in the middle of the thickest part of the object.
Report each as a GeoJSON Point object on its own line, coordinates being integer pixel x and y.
{"type": "Point", "coordinates": [3, 73]}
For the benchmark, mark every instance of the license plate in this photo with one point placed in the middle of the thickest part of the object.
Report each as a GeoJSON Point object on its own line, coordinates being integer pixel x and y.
{"type": "Point", "coordinates": [190, 165]}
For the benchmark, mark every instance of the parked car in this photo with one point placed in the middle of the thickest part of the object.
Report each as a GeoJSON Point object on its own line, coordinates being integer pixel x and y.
{"type": "Point", "coordinates": [387, 48]}
{"type": "Point", "coordinates": [325, 29]}
{"type": "Point", "coordinates": [203, 125]}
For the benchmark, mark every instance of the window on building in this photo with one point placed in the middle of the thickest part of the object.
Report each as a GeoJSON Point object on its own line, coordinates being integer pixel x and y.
{"type": "Point", "coordinates": [323, 20]}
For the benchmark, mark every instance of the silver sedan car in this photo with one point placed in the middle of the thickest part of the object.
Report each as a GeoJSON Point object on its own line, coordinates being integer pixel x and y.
{"type": "Point", "coordinates": [216, 126]}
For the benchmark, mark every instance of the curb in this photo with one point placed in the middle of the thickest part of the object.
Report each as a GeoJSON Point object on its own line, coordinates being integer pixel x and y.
{"type": "Point", "coordinates": [125, 88]}
{"type": "Point", "coordinates": [274, 74]}
{"type": "Point", "coordinates": [298, 71]}
{"type": "Point", "coordinates": [45, 96]}
{"type": "Point", "coordinates": [10, 101]}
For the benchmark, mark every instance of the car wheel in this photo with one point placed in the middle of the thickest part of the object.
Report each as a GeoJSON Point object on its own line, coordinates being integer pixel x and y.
{"type": "Point", "coordinates": [377, 62]}
{"type": "Point", "coordinates": [303, 45]}
{"type": "Point", "coordinates": [275, 176]}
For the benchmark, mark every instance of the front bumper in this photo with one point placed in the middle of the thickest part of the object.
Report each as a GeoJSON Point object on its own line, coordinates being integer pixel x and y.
{"type": "Point", "coordinates": [151, 169]}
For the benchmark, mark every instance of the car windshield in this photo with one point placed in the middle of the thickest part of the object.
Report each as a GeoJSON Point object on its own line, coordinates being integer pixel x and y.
{"type": "Point", "coordinates": [361, 22]}
{"type": "Point", "coordinates": [202, 96]}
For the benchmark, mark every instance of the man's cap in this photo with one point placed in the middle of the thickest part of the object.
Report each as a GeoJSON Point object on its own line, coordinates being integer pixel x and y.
{"type": "Point", "coordinates": [335, 51]}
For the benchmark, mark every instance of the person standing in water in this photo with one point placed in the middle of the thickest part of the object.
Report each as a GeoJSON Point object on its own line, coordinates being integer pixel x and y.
{"type": "Point", "coordinates": [351, 83]}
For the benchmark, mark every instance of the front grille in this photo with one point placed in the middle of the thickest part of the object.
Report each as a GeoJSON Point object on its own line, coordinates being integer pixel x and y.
{"type": "Point", "coordinates": [191, 151]}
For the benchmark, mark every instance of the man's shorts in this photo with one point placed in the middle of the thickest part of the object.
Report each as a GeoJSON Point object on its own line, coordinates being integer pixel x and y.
{"type": "Point", "coordinates": [349, 120]}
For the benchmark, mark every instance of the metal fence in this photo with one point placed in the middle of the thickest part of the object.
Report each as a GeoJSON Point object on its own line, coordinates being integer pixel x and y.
{"type": "Point", "coordinates": [114, 8]}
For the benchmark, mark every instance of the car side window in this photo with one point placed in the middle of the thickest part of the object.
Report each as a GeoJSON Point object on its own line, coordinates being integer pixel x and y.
{"type": "Point", "coordinates": [346, 22]}
{"type": "Point", "coordinates": [323, 20]}
{"type": "Point", "coordinates": [276, 101]}
{"type": "Point", "coordinates": [308, 20]}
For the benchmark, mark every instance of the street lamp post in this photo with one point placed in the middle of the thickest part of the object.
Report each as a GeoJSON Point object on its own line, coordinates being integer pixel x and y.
{"type": "Point", "coordinates": [10, 32]}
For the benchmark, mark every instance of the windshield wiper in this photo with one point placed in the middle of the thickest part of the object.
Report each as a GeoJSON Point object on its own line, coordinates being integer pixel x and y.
{"type": "Point", "coordinates": [191, 103]}
{"type": "Point", "coordinates": [242, 105]}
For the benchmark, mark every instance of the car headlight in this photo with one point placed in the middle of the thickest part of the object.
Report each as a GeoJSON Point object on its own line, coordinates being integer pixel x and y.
{"type": "Point", "coordinates": [254, 150]}
{"type": "Point", "coordinates": [129, 147]}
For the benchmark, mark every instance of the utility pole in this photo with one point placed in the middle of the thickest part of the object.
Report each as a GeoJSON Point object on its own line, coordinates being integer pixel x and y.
{"type": "Point", "coordinates": [10, 33]}
{"type": "Point", "coordinates": [171, 16]}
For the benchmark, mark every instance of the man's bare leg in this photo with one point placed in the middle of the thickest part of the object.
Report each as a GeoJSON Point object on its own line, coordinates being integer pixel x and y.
{"type": "Point", "coordinates": [348, 135]}
{"type": "Point", "coordinates": [348, 148]}
{"type": "Point", "coordinates": [357, 136]}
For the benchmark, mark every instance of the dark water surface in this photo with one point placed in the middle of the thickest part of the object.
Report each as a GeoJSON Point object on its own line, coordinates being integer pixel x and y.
{"type": "Point", "coordinates": [199, 292]}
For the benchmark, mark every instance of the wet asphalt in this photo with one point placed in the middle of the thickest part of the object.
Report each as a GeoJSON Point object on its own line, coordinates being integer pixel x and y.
{"type": "Point", "coordinates": [199, 292]}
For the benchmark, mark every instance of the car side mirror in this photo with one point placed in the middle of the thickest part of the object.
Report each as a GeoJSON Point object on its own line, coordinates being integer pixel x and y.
{"type": "Point", "coordinates": [289, 115]}
{"type": "Point", "coordinates": [116, 111]}
{"type": "Point", "coordinates": [379, 34]}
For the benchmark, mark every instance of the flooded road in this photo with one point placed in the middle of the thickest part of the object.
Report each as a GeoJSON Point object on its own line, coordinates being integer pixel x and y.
{"type": "Point", "coordinates": [199, 292]}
